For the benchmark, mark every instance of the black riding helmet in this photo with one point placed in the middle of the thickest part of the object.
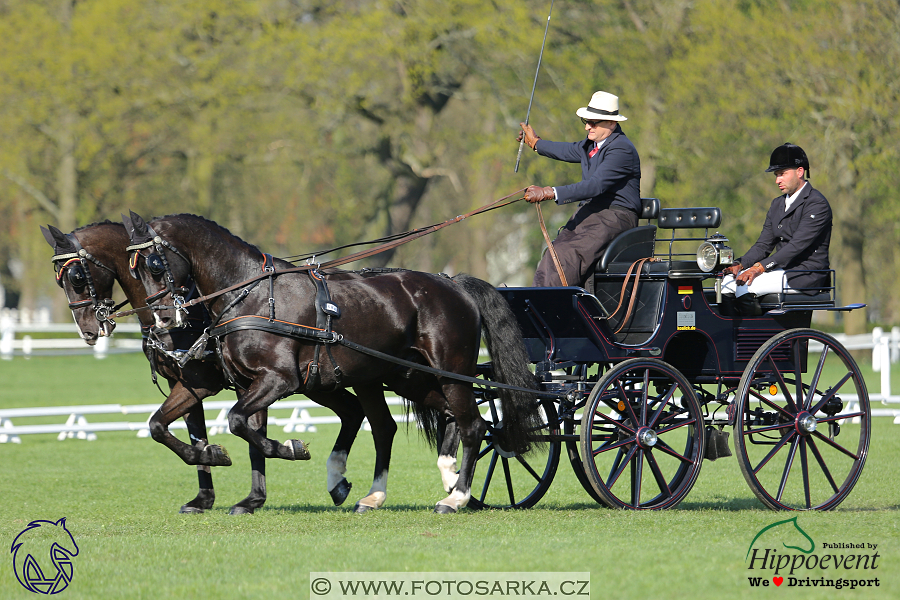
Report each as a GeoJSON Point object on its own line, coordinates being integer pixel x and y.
{"type": "Point", "coordinates": [788, 156]}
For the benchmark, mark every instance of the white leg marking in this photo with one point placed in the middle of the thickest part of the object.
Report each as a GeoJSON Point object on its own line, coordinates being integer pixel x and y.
{"type": "Point", "coordinates": [336, 466]}
{"type": "Point", "coordinates": [456, 499]}
{"type": "Point", "coordinates": [447, 467]}
{"type": "Point", "coordinates": [378, 492]}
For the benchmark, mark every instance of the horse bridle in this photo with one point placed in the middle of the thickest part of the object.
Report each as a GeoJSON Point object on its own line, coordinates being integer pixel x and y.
{"type": "Point", "coordinates": [75, 266]}
{"type": "Point", "coordinates": [158, 265]}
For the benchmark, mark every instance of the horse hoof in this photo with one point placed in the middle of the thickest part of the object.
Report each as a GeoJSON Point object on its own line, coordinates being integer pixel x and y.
{"type": "Point", "coordinates": [443, 509]}
{"type": "Point", "coordinates": [299, 450]}
{"type": "Point", "coordinates": [216, 456]}
{"type": "Point", "coordinates": [361, 509]}
{"type": "Point", "coordinates": [340, 492]}
{"type": "Point", "coordinates": [190, 510]}
{"type": "Point", "coordinates": [240, 510]}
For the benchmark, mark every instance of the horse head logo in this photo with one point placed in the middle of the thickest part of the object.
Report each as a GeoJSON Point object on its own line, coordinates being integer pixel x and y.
{"type": "Point", "coordinates": [30, 552]}
{"type": "Point", "coordinates": [790, 532]}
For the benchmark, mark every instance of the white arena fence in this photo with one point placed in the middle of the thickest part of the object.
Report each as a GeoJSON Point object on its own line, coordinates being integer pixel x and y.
{"type": "Point", "coordinates": [77, 426]}
{"type": "Point", "coordinates": [16, 341]}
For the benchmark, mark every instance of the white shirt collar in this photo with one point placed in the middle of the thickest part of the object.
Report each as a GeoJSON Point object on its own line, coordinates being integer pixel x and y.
{"type": "Point", "coordinates": [788, 200]}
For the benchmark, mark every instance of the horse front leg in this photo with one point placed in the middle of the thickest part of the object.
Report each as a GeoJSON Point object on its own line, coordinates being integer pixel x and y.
{"type": "Point", "coordinates": [178, 404]}
{"type": "Point", "coordinates": [346, 406]}
{"type": "Point", "coordinates": [206, 495]}
{"type": "Point", "coordinates": [257, 496]}
{"type": "Point", "coordinates": [259, 396]}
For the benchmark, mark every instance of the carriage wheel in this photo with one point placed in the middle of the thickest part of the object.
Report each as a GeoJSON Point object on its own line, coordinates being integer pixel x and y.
{"type": "Point", "coordinates": [505, 479]}
{"type": "Point", "coordinates": [787, 414]}
{"type": "Point", "coordinates": [573, 450]}
{"type": "Point", "coordinates": [642, 436]}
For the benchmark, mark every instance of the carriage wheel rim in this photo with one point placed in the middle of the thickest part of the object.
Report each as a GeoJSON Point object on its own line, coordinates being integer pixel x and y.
{"type": "Point", "coordinates": [496, 467]}
{"type": "Point", "coordinates": [645, 456]}
{"type": "Point", "coordinates": [803, 441]}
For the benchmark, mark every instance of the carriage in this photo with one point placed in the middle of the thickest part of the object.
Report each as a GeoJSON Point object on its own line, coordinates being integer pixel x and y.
{"type": "Point", "coordinates": [648, 366]}
{"type": "Point", "coordinates": [635, 377]}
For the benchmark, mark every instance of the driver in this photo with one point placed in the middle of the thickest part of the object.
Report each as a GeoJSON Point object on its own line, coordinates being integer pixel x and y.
{"type": "Point", "coordinates": [609, 192]}
{"type": "Point", "coordinates": [795, 236]}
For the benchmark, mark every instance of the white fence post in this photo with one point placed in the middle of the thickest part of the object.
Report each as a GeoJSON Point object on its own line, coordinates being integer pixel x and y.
{"type": "Point", "coordinates": [877, 332]}
{"type": "Point", "coordinates": [895, 344]}
{"type": "Point", "coordinates": [885, 349]}
{"type": "Point", "coordinates": [7, 335]}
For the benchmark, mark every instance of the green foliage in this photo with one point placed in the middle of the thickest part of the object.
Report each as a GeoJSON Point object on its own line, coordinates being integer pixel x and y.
{"type": "Point", "coordinates": [302, 125]}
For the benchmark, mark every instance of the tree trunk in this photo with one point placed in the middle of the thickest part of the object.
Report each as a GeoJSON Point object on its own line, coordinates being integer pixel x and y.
{"type": "Point", "coordinates": [407, 194]}
{"type": "Point", "coordinates": [848, 221]}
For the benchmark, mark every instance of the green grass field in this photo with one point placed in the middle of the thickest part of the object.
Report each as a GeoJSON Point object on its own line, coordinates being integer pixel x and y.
{"type": "Point", "coordinates": [120, 495]}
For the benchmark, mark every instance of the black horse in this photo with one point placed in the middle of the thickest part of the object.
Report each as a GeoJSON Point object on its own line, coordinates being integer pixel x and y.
{"type": "Point", "coordinates": [275, 342]}
{"type": "Point", "coordinates": [89, 261]}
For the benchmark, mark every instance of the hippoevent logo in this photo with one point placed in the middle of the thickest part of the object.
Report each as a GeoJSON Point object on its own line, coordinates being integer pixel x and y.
{"type": "Point", "coordinates": [784, 554]}
{"type": "Point", "coordinates": [42, 556]}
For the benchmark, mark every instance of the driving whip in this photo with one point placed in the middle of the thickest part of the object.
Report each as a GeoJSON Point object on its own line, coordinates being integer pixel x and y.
{"type": "Point", "coordinates": [534, 85]}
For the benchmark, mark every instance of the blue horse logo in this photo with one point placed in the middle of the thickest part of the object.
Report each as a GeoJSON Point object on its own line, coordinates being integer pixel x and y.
{"type": "Point", "coordinates": [31, 548]}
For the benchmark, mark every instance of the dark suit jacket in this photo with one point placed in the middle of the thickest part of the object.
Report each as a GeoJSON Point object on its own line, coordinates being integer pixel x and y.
{"type": "Point", "coordinates": [611, 178]}
{"type": "Point", "coordinates": [799, 238]}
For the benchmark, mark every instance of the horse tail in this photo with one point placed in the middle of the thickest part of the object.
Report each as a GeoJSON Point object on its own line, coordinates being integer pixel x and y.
{"type": "Point", "coordinates": [521, 410]}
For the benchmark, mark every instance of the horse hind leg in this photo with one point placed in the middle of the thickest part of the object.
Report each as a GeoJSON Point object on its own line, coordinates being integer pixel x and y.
{"type": "Point", "coordinates": [257, 496]}
{"type": "Point", "coordinates": [383, 429]}
{"type": "Point", "coordinates": [471, 432]}
{"type": "Point", "coordinates": [448, 445]}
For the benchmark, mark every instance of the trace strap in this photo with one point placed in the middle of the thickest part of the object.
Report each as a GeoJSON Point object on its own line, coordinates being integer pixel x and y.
{"type": "Point", "coordinates": [442, 373]}
{"type": "Point", "coordinates": [297, 331]}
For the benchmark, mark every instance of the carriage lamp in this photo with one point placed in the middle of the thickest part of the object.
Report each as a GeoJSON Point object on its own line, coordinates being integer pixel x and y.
{"type": "Point", "coordinates": [714, 254]}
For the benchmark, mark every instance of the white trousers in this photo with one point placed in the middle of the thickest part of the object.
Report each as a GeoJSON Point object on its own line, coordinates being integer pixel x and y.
{"type": "Point", "coordinates": [770, 282]}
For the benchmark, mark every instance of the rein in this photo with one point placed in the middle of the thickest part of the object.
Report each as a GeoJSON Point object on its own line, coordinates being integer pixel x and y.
{"type": "Point", "coordinates": [637, 266]}
{"type": "Point", "coordinates": [556, 263]}
{"type": "Point", "coordinates": [408, 237]}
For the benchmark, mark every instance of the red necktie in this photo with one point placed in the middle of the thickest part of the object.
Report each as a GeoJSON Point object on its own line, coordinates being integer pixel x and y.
{"type": "Point", "coordinates": [593, 152]}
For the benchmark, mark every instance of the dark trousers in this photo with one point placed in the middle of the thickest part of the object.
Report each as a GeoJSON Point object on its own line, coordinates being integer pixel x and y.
{"type": "Point", "coordinates": [581, 243]}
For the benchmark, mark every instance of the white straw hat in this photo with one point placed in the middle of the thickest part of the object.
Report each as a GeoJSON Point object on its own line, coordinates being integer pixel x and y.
{"type": "Point", "coordinates": [602, 107]}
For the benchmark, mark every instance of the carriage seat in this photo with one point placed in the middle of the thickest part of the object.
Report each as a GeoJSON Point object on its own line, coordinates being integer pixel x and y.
{"type": "Point", "coordinates": [817, 298]}
{"type": "Point", "coordinates": [632, 244]}
{"type": "Point", "coordinates": [640, 242]}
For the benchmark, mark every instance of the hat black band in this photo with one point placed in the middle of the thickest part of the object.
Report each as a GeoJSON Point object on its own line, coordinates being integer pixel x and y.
{"type": "Point", "coordinates": [602, 112]}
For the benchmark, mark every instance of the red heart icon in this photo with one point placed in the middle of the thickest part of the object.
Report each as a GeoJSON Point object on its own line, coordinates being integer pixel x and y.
{"type": "Point", "coordinates": [778, 580]}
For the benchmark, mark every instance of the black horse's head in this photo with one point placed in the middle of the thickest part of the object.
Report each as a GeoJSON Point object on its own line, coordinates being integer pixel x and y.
{"type": "Point", "coordinates": [164, 271]}
{"type": "Point", "coordinates": [87, 283]}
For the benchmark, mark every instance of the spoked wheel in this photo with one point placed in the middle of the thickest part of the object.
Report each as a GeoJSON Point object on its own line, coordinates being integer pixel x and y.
{"type": "Point", "coordinates": [505, 479]}
{"type": "Point", "coordinates": [787, 414]}
{"type": "Point", "coordinates": [642, 436]}
{"type": "Point", "coordinates": [573, 451]}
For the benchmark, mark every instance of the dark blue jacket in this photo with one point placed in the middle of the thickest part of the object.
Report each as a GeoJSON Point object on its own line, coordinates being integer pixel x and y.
{"type": "Point", "coordinates": [611, 178]}
{"type": "Point", "coordinates": [799, 238]}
